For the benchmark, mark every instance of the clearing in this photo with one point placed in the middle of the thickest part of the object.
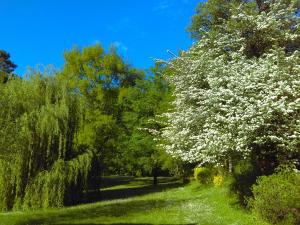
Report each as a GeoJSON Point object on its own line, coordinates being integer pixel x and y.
{"type": "Point", "coordinates": [127, 200]}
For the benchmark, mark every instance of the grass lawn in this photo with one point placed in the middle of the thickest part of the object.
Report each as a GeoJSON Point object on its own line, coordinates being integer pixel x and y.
{"type": "Point", "coordinates": [134, 201]}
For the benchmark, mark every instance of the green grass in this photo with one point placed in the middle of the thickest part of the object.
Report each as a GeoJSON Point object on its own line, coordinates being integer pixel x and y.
{"type": "Point", "coordinates": [135, 201]}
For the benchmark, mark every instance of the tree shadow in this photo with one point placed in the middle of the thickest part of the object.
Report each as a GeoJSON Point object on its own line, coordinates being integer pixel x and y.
{"type": "Point", "coordinates": [101, 195]}
{"type": "Point", "coordinates": [116, 224]}
{"type": "Point", "coordinates": [99, 212]}
{"type": "Point", "coordinates": [110, 181]}
{"type": "Point", "coordinates": [95, 212]}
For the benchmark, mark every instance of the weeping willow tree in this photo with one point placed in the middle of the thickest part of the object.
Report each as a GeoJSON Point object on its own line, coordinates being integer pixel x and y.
{"type": "Point", "coordinates": [42, 163]}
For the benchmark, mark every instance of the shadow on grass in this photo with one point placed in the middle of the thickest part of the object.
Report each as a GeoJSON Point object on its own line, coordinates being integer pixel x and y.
{"type": "Point", "coordinates": [131, 224]}
{"type": "Point", "coordinates": [94, 196]}
{"type": "Point", "coordinates": [98, 213]}
{"type": "Point", "coordinates": [123, 224]}
{"type": "Point", "coordinates": [110, 181]}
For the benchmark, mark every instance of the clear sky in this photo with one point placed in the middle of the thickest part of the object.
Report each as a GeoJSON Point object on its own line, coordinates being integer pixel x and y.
{"type": "Point", "coordinates": [38, 31]}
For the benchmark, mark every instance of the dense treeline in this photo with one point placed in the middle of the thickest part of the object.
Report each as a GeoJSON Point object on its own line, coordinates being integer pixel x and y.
{"type": "Point", "coordinates": [61, 130]}
{"type": "Point", "coordinates": [120, 101]}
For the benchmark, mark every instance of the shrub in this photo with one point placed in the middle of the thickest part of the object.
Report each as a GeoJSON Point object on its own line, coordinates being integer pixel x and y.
{"type": "Point", "coordinates": [218, 180]}
{"type": "Point", "coordinates": [244, 176]}
{"type": "Point", "coordinates": [203, 175]}
{"type": "Point", "coordinates": [277, 197]}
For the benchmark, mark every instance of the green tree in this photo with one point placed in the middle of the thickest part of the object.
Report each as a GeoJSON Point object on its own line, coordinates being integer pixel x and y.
{"type": "Point", "coordinates": [208, 15]}
{"type": "Point", "coordinates": [100, 78]}
{"type": "Point", "coordinates": [6, 66]}
{"type": "Point", "coordinates": [41, 160]}
{"type": "Point", "coordinates": [142, 105]}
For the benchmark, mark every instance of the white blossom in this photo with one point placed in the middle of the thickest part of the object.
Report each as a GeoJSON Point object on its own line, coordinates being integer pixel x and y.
{"type": "Point", "coordinates": [224, 102]}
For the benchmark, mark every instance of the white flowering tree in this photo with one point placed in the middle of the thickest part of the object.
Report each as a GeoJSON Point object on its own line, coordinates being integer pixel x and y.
{"type": "Point", "coordinates": [237, 90]}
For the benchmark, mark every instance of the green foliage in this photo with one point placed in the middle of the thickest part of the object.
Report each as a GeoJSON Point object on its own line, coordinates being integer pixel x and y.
{"type": "Point", "coordinates": [277, 197]}
{"type": "Point", "coordinates": [110, 89]}
{"type": "Point", "coordinates": [59, 131]}
{"type": "Point", "coordinates": [6, 66]}
{"type": "Point", "coordinates": [66, 179]}
{"type": "Point", "coordinates": [208, 15]}
{"type": "Point", "coordinates": [210, 175]}
{"type": "Point", "coordinates": [140, 107]}
{"type": "Point", "coordinates": [40, 156]}
{"type": "Point", "coordinates": [204, 175]}
{"type": "Point", "coordinates": [244, 176]}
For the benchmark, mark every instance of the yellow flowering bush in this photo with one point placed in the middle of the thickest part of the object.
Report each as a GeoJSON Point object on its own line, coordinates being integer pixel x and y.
{"type": "Point", "coordinates": [218, 180]}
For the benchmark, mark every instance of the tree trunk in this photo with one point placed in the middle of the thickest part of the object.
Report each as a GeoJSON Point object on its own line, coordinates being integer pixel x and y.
{"type": "Point", "coordinates": [155, 174]}
{"type": "Point", "coordinates": [229, 165]}
{"type": "Point", "coordinates": [185, 175]}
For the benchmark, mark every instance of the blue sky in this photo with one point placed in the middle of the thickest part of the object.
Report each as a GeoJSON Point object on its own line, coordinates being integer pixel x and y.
{"type": "Point", "coordinates": [38, 32]}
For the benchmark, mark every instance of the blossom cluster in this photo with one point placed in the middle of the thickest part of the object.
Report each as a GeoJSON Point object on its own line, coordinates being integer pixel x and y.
{"type": "Point", "coordinates": [225, 101]}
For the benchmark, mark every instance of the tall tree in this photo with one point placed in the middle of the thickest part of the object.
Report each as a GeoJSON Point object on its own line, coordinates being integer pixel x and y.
{"type": "Point", "coordinates": [6, 66]}
{"type": "Point", "coordinates": [228, 103]}
{"type": "Point", "coordinates": [142, 105]}
{"type": "Point", "coordinates": [100, 77]}
{"type": "Point", "coordinates": [42, 161]}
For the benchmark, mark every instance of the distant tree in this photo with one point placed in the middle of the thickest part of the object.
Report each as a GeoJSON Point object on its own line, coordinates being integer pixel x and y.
{"type": "Point", "coordinates": [6, 66]}
{"type": "Point", "coordinates": [142, 106]}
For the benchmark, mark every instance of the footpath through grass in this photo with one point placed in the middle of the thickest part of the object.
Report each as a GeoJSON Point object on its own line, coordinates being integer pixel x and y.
{"type": "Point", "coordinates": [135, 201]}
